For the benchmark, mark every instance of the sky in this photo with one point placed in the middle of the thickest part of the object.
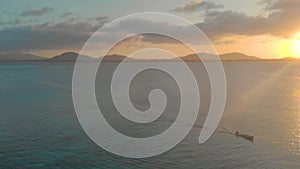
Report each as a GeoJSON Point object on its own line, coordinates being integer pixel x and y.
{"type": "Point", "coordinates": [262, 28]}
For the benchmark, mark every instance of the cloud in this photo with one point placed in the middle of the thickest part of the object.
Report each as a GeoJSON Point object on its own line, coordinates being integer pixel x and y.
{"type": "Point", "coordinates": [2, 23]}
{"type": "Point", "coordinates": [218, 24]}
{"type": "Point", "coordinates": [197, 5]}
{"type": "Point", "coordinates": [37, 12]}
{"type": "Point", "coordinates": [100, 18]}
{"type": "Point", "coordinates": [66, 14]}
{"type": "Point", "coordinates": [72, 34]}
{"type": "Point", "coordinates": [271, 5]}
{"type": "Point", "coordinates": [16, 22]}
{"type": "Point", "coordinates": [130, 26]}
{"type": "Point", "coordinates": [280, 19]}
{"type": "Point", "coordinates": [62, 35]}
{"type": "Point", "coordinates": [288, 6]}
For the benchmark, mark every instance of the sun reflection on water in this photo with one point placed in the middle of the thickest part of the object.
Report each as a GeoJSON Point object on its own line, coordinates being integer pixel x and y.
{"type": "Point", "coordinates": [294, 145]}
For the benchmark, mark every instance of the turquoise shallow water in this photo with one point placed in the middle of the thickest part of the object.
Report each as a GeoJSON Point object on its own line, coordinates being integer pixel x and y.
{"type": "Point", "coordinates": [39, 128]}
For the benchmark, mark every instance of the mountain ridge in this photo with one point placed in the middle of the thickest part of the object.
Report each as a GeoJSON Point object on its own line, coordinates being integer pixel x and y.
{"type": "Point", "coordinates": [72, 57]}
{"type": "Point", "coordinates": [19, 57]}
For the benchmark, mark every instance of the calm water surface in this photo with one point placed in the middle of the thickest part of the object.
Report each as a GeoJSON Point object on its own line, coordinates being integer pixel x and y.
{"type": "Point", "coordinates": [39, 128]}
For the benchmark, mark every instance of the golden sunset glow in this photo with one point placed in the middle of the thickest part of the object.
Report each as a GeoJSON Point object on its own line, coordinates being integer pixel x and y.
{"type": "Point", "coordinates": [291, 48]}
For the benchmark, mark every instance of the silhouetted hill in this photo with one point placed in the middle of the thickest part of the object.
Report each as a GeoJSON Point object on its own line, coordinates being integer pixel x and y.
{"type": "Point", "coordinates": [72, 57]}
{"type": "Point", "coordinates": [194, 57]}
{"type": "Point", "coordinates": [238, 56]}
{"type": "Point", "coordinates": [68, 57]}
{"type": "Point", "coordinates": [19, 57]}
{"type": "Point", "coordinates": [290, 59]}
{"type": "Point", "coordinates": [224, 57]}
{"type": "Point", "coordinates": [113, 58]}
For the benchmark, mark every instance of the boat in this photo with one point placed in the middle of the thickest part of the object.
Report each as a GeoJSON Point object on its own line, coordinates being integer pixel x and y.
{"type": "Point", "coordinates": [237, 134]}
{"type": "Point", "coordinates": [245, 136]}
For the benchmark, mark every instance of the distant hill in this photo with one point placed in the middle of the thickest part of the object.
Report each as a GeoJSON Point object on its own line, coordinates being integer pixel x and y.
{"type": "Point", "coordinates": [224, 57]}
{"type": "Point", "coordinates": [238, 56]}
{"type": "Point", "coordinates": [19, 57]}
{"type": "Point", "coordinates": [72, 57]}
{"type": "Point", "coordinates": [290, 59]}
{"type": "Point", "coordinates": [188, 58]}
{"type": "Point", "coordinates": [194, 57]}
{"type": "Point", "coordinates": [113, 58]}
{"type": "Point", "coordinates": [68, 57]}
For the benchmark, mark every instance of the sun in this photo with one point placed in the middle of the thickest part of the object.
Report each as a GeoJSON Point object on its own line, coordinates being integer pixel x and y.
{"type": "Point", "coordinates": [291, 48]}
{"type": "Point", "coordinates": [297, 47]}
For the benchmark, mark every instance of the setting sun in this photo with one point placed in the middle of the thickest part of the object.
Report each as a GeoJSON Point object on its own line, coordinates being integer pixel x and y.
{"type": "Point", "coordinates": [297, 47]}
{"type": "Point", "coordinates": [291, 48]}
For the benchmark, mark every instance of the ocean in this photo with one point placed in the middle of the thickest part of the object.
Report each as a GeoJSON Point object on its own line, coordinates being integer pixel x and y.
{"type": "Point", "coordinates": [39, 127]}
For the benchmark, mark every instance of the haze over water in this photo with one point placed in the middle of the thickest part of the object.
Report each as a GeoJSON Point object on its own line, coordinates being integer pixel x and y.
{"type": "Point", "coordinates": [39, 127]}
